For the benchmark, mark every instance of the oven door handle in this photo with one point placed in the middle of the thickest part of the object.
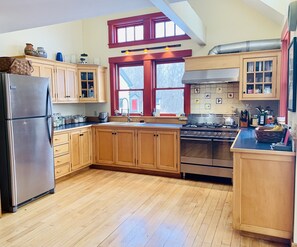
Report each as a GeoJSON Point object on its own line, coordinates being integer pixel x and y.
{"type": "Point", "coordinates": [222, 140]}
{"type": "Point", "coordinates": [194, 139]}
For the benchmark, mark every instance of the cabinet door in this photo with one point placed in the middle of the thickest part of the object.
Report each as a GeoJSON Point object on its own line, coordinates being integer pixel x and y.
{"type": "Point", "coordinates": [46, 70]}
{"type": "Point", "coordinates": [263, 194]}
{"type": "Point", "coordinates": [124, 147]}
{"type": "Point", "coordinates": [49, 72]}
{"type": "Point", "coordinates": [71, 82]}
{"type": "Point", "coordinates": [101, 85]}
{"type": "Point", "coordinates": [167, 150]}
{"type": "Point", "coordinates": [87, 85]}
{"type": "Point", "coordinates": [260, 78]}
{"type": "Point", "coordinates": [85, 147]}
{"type": "Point", "coordinates": [75, 149]}
{"type": "Point", "coordinates": [103, 149]}
{"type": "Point", "coordinates": [146, 149]}
{"type": "Point", "coordinates": [61, 84]}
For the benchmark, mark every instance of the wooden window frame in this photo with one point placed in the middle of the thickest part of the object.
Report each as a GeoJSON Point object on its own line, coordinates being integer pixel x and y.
{"type": "Point", "coordinates": [148, 21]}
{"type": "Point", "coordinates": [149, 77]}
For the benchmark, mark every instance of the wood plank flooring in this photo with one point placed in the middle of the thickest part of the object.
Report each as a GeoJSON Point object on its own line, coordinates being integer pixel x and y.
{"type": "Point", "coordinates": [108, 208]}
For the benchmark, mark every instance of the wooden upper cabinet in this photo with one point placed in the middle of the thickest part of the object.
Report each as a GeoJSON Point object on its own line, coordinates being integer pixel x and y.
{"type": "Point", "coordinates": [66, 83]}
{"type": "Point", "coordinates": [260, 76]}
{"type": "Point", "coordinates": [91, 83]}
{"type": "Point", "coordinates": [45, 68]}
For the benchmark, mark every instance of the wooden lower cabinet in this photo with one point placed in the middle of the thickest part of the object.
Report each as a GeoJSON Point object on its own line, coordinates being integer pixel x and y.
{"type": "Point", "coordinates": [158, 150]}
{"type": "Point", "coordinates": [139, 148]}
{"type": "Point", "coordinates": [80, 143]}
{"type": "Point", "coordinates": [72, 151]}
{"type": "Point", "coordinates": [114, 147]}
{"type": "Point", "coordinates": [61, 154]}
{"type": "Point", "coordinates": [263, 193]}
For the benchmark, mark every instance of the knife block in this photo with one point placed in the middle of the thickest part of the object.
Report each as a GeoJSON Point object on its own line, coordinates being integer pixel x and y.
{"type": "Point", "coordinates": [243, 124]}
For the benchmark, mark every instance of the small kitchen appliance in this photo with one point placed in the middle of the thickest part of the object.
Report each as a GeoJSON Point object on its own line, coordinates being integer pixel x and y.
{"type": "Point", "coordinates": [103, 117]}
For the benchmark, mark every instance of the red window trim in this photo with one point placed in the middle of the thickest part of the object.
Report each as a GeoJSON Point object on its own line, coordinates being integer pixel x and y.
{"type": "Point", "coordinates": [148, 22]}
{"type": "Point", "coordinates": [283, 102]}
{"type": "Point", "coordinates": [148, 76]}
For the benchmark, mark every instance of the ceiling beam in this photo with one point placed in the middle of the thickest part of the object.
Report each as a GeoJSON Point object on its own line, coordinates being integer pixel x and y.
{"type": "Point", "coordinates": [183, 15]}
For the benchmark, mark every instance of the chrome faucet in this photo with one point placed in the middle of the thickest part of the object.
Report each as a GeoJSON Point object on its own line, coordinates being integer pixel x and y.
{"type": "Point", "coordinates": [129, 119]}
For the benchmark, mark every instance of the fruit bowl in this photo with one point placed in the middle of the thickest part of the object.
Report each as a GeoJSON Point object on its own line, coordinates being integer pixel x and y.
{"type": "Point", "coordinates": [269, 134]}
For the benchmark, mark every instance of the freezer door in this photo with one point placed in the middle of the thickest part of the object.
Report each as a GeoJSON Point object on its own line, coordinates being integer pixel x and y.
{"type": "Point", "coordinates": [31, 158]}
{"type": "Point", "coordinates": [25, 96]}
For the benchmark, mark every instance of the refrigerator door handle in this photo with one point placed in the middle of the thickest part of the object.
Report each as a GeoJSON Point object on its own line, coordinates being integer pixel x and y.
{"type": "Point", "coordinates": [50, 126]}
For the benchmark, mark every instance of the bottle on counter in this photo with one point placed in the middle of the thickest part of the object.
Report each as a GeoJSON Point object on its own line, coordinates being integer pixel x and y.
{"type": "Point", "coordinates": [262, 118]}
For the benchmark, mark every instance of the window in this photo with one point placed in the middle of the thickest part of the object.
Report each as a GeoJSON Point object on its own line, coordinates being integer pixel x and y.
{"type": "Point", "coordinates": [169, 89]}
{"type": "Point", "coordinates": [167, 29]}
{"type": "Point", "coordinates": [150, 81]}
{"type": "Point", "coordinates": [127, 34]}
{"type": "Point", "coordinates": [130, 89]}
{"type": "Point", "coordinates": [143, 29]}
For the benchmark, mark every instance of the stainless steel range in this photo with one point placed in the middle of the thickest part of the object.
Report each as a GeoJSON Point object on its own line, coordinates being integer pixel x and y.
{"type": "Point", "coordinates": [205, 145]}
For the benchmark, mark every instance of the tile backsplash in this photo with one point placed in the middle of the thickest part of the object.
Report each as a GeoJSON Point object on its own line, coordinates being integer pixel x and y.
{"type": "Point", "coordinates": [223, 99]}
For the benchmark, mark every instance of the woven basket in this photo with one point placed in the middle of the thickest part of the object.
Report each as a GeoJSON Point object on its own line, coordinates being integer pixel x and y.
{"type": "Point", "coordinates": [262, 135]}
{"type": "Point", "coordinates": [15, 66]}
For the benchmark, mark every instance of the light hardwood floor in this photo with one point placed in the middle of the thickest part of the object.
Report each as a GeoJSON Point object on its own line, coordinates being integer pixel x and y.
{"type": "Point", "coordinates": [108, 208]}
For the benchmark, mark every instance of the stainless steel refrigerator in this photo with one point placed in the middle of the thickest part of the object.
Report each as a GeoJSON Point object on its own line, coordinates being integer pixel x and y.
{"type": "Point", "coordinates": [26, 152]}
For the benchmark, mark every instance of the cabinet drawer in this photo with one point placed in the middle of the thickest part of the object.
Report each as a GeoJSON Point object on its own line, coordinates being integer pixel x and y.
{"type": "Point", "coordinates": [61, 149]}
{"type": "Point", "coordinates": [61, 138]}
{"type": "Point", "coordinates": [62, 170]}
{"type": "Point", "coordinates": [62, 159]}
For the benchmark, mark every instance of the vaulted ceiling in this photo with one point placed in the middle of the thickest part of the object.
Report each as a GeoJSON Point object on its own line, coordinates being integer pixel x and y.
{"type": "Point", "coordinates": [23, 14]}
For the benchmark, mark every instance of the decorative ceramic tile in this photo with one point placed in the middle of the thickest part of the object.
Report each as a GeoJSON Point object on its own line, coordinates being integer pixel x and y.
{"type": "Point", "coordinates": [207, 106]}
{"type": "Point", "coordinates": [230, 95]}
{"type": "Point", "coordinates": [219, 90]}
{"type": "Point", "coordinates": [219, 101]}
{"type": "Point", "coordinates": [197, 101]}
{"type": "Point", "coordinates": [196, 90]}
{"type": "Point", "coordinates": [207, 95]}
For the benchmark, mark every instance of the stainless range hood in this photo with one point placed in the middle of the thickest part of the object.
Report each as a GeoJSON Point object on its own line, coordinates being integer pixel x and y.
{"type": "Point", "coordinates": [211, 76]}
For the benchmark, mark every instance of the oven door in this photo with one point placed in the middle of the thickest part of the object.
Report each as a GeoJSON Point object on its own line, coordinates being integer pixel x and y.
{"type": "Point", "coordinates": [222, 156]}
{"type": "Point", "coordinates": [196, 151]}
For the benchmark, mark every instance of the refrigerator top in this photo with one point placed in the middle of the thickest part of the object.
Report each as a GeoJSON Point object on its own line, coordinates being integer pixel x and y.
{"type": "Point", "coordinates": [24, 96]}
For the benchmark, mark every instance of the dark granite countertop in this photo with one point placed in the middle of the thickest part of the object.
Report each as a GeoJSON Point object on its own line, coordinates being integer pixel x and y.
{"type": "Point", "coordinates": [246, 139]}
{"type": "Point", "coordinates": [74, 125]}
{"type": "Point", "coordinates": [118, 124]}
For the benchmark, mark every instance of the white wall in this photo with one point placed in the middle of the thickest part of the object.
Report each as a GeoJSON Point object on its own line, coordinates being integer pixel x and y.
{"type": "Point", "coordinates": [226, 21]}
{"type": "Point", "coordinates": [66, 38]}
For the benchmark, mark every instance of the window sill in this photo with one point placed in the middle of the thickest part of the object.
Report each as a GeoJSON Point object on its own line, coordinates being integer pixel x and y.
{"type": "Point", "coordinates": [150, 119]}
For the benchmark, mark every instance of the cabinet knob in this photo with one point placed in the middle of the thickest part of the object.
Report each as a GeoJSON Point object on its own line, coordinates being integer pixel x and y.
{"type": "Point", "coordinates": [243, 92]}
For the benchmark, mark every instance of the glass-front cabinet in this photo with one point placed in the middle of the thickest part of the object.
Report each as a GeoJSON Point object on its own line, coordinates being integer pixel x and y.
{"type": "Point", "coordinates": [91, 83]}
{"type": "Point", "coordinates": [260, 78]}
